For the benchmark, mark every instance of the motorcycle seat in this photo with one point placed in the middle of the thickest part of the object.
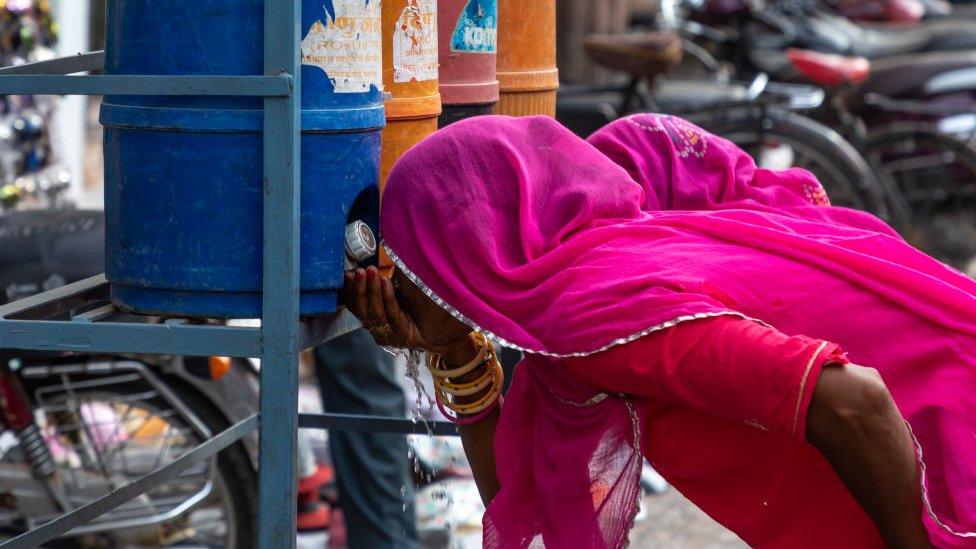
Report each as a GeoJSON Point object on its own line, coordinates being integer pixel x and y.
{"type": "Point", "coordinates": [879, 40]}
{"type": "Point", "coordinates": [917, 75]}
{"type": "Point", "coordinates": [43, 249]}
{"type": "Point", "coordinates": [873, 41]}
{"type": "Point", "coordinates": [875, 44]}
{"type": "Point", "coordinates": [828, 69]}
{"type": "Point", "coordinates": [951, 34]}
{"type": "Point", "coordinates": [963, 11]}
{"type": "Point", "coordinates": [639, 54]}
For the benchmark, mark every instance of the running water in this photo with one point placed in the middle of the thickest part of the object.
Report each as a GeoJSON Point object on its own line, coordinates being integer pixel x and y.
{"type": "Point", "coordinates": [427, 469]}
{"type": "Point", "coordinates": [414, 358]}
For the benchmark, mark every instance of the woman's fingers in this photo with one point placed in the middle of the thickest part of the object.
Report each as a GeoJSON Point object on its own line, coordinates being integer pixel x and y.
{"type": "Point", "coordinates": [357, 296]}
{"type": "Point", "coordinates": [375, 310]}
{"type": "Point", "coordinates": [402, 325]}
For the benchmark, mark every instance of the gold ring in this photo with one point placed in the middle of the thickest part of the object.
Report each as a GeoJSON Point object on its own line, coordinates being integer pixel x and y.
{"type": "Point", "coordinates": [383, 331]}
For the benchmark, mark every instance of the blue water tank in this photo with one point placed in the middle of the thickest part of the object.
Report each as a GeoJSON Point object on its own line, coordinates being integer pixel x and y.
{"type": "Point", "coordinates": [183, 175]}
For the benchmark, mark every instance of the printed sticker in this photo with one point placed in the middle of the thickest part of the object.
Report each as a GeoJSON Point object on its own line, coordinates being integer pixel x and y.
{"type": "Point", "coordinates": [347, 45]}
{"type": "Point", "coordinates": [477, 28]}
{"type": "Point", "coordinates": [415, 42]}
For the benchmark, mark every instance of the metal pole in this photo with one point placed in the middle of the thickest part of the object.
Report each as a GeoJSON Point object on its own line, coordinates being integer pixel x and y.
{"type": "Point", "coordinates": [72, 114]}
{"type": "Point", "coordinates": [280, 323]}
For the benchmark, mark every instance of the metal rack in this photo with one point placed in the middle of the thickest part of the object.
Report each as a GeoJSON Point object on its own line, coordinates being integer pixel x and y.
{"type": "Point", "coordinates": [80, 318]}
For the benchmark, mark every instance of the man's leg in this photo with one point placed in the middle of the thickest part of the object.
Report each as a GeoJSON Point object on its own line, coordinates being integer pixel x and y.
{"type": "Point", "coordinates": [372, 470]}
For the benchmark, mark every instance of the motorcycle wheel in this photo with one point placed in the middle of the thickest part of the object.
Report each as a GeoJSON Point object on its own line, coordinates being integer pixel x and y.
{"type": "Point", "coordinates": [781, 139]}
{"type": "Point", "coordinates": [936, 173]}
{"type": "Point", "coordinates": [129, 429]}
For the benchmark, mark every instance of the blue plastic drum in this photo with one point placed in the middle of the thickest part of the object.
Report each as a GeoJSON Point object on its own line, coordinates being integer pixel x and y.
{"type": "Point", "coordinates": [183, 175]}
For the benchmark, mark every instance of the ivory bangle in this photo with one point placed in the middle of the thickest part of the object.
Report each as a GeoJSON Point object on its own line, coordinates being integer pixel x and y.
{"type": "Point", "coordinates": [466, 389]}
{"type": "Point", "coordinates": [478, 405]}
{"type": "Point", "coordinates": [435, 360]}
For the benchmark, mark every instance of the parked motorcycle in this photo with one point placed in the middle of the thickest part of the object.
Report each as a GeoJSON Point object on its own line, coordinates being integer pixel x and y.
{"type": "Point", "coordinates": [759, 116]}
{"type": "Point", "coordinates": [77, 426]}
{"type": "Point", "coordinates": [912, 116]}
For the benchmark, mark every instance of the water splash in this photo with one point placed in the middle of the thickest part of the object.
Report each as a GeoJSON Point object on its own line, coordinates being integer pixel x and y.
{"type": "Point", "coordinates": [414, 358]}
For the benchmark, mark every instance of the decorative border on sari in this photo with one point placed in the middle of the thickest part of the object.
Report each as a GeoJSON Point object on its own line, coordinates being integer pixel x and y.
{"type": "Point", "coordinates": [505, 343]}
{"type": "Point", "coordinates": [803, 383]}
{"type": "Point", "coordinates": [925, 491]}
{"type": "Point", "coordinates": [639, 457]}
{"type": "Point", "coordinates": [633, 337]}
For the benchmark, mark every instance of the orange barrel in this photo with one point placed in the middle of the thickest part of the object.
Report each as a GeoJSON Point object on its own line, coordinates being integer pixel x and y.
{"type": "Point", "coordinates": [527, 71]}
{"type": "Point", "coordinates": [410, 76]}
{"type": "Point", "coordinates": [467, 42]}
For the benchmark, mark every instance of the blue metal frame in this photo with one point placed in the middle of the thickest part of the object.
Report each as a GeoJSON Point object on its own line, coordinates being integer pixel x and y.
{"type": "Point", "coordinates": [65, 320]}
{"type": "Point", "coordinates": [134, 489]}
{"type": "Point", "coordinates": [281, 85]}
{"type": "Point", "coordinates": [277, 485]}
{"type": "Point", "coordinates": [79, 318]}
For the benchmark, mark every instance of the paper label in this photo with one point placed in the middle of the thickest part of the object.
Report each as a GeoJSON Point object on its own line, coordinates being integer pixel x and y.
{"type": "Point", "coordinates": [415, 42]}
{"type": "Point", "coordinates": [477, 28]}
{"type": "Point", "coordinates": [347, 44]}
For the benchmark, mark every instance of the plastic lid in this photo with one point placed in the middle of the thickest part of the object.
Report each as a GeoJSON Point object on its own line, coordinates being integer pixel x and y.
{"type": "Point", "coordinates": [360, 241]}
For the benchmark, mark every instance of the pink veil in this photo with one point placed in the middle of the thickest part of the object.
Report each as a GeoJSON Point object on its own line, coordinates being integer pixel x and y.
{"type": "Point", "coordinates": [537, 238]}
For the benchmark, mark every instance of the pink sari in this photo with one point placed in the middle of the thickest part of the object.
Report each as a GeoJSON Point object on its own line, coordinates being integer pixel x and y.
{"type": "Point", "coordinates": [535, 237]}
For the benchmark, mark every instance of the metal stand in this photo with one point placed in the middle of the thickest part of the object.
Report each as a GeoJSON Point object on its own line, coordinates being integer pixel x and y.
{"type": "Point", "coordinates": [79, 317]}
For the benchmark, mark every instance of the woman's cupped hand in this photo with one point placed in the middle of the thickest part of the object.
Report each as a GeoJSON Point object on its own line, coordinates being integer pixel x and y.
{"type": "Point", "coordinates": [398, 314]}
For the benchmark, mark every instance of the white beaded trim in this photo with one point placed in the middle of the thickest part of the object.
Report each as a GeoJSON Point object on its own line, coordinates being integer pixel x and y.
{"type": "Point", "coordinates": [925, 491]}
{"type": "Point", "coordinates": [505, 343]}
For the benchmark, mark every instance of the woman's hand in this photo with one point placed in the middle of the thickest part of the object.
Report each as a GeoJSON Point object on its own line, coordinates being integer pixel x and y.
{"type": "Point", "coordinates": [373, 299]}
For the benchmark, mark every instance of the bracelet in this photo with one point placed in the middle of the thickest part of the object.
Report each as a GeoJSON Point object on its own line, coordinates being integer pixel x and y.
{"type": "Point", "coordinates": [470, 388]}
{"type": "Point", "coordinates": [434, 360]}
{"type": "Point", "coordinates": [470, 420]}
{"type": "Point", "coordinates": [481, 403]}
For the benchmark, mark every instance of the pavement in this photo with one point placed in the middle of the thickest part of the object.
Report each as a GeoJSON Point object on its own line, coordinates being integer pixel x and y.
{"type": "Point", "coordinates": [673, 522]}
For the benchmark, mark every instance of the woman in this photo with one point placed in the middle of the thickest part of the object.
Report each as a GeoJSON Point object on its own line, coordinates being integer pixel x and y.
{"type": "Point", "coordinates": [699, 311]}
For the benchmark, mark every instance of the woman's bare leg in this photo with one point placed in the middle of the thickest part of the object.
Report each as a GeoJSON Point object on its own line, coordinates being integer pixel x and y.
{"type": "Point", "coordinates": [853, 421]}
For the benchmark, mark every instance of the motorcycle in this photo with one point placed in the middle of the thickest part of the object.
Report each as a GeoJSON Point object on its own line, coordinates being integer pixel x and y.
{"type": "Point", "coordinates": [913, 116]}
{"type": "Point", "coordinates": [759, 115]}
{"type": "Point", "coordinates": [76, 427]}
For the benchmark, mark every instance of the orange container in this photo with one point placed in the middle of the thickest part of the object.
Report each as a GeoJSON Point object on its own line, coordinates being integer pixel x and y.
{"type": "Point", "coordinates": [410, 76]}
{"type": "Point", "coordinates": [527, 73]}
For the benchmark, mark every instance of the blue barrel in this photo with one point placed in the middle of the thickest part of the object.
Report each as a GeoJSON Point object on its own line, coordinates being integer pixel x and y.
{"type": "Point", "coordinates": [183, 175]}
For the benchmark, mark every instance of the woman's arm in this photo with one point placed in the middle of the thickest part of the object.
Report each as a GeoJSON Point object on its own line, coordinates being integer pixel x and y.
{"type": "Point", "coordinates": [479, 446]}
{"type": "Point", "coordinates": [478, 439]}
{"type": "Point", "coordinates": [745, 372]}
{"type": "Point", "coordinates": [853, 421]}
{"type": "Point", "coordinates": [374, 300]}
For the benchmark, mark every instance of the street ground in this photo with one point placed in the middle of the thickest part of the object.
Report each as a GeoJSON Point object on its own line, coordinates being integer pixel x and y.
{"type": "Point", "coordinates": [673, 522]}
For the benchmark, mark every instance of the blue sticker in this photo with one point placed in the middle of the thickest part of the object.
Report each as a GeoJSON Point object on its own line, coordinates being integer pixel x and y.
{"type": "Point", "coordinates": [477, 28]}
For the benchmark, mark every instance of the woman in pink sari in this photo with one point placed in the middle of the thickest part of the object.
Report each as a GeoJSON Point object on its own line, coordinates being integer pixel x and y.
{"type": "Point", "coordinates": [674, 301]}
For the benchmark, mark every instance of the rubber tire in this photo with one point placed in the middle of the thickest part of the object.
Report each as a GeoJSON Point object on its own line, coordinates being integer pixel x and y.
{"type": "Point", "coordinates": [745, 124]}
{"type": "Point", "coordinates": [233, 462]}
{"type": "Point", "coordinates": [915, 131]}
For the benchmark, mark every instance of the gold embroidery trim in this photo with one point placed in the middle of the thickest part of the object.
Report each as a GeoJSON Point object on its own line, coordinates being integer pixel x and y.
{"type": "Point", "coordinates": [803, 384]}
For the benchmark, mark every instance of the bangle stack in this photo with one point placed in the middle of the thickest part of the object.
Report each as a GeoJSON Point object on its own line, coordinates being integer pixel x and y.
{"type": "Point", "coordinates": [491, 380]}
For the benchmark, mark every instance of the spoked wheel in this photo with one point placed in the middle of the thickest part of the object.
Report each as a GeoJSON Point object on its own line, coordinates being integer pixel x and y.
{"type": "Point", "coordinates": [780, 139]}
{"type": "Point", "coordinates": [936, 173]}
{"type": "Point", "coordinates": [105, 432]}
